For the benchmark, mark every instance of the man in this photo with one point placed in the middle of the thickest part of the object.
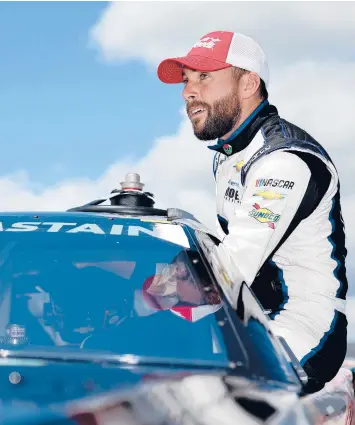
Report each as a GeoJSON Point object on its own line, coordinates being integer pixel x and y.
{"type": "Point", "coordinates": [278, 198]}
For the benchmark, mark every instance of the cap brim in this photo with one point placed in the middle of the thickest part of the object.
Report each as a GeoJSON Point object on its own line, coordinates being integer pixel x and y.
{"type": "Point", "coordinates": [170, 70]}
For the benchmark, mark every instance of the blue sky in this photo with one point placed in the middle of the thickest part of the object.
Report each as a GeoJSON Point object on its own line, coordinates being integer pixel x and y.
{"type": "Point", "coordinates": [61, 103]}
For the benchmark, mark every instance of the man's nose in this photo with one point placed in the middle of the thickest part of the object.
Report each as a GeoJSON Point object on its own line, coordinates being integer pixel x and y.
{"type": "Point", "coordinates": [190, 92]}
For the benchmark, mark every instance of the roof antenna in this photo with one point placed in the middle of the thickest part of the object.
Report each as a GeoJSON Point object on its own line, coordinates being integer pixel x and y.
{"type": "Point", "coordinates": [131, 193]}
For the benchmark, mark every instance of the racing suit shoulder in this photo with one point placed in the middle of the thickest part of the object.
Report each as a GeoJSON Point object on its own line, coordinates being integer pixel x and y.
{"type": "Point", "coordinates": [281, 135]}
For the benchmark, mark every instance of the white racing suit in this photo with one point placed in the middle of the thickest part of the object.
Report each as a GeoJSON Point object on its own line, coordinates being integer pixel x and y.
{"type": "Point", "coordinates": [279, 217]}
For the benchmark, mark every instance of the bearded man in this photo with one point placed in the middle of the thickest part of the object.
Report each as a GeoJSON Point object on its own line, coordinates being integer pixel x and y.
{"type": "Point", "coordinates": [278, 198]}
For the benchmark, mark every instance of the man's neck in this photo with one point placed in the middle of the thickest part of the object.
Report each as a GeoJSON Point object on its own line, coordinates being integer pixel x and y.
{"type": "Point", "coordinates": [247, 110]}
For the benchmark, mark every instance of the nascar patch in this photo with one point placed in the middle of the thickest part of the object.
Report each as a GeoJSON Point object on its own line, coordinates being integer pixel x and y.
{"type": "Point", "coordinates": [284, 184]}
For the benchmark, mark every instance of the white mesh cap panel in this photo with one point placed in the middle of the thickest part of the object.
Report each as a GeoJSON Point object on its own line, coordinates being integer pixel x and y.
{"type": "Point", "coordinates": [245, 53]}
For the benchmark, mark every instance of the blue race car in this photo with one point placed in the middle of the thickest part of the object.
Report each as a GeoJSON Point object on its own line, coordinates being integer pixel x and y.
{"type": "Point", "coordinates": [117, 312]}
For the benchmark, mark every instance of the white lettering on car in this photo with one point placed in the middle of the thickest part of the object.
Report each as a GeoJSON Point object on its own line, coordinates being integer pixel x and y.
{"type": "Point", "coordinates": [116, 229]}
{"type": "Point", "coordinates": [134, 231]}
{"type": "Point", "coordinates": [88, 228]}
{"type": "Point", "coordinates": [167, 232]}
{"type": "Point", "coordinates": [55, 227]}
{"type": "Point", "coordinates": [25, 226]}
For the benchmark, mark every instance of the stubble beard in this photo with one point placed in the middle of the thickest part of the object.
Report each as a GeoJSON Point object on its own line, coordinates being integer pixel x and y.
{"type": "Point", "coordinates": [221, 118]}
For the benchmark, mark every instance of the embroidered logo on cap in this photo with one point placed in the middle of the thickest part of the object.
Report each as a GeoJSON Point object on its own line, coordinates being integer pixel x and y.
{"type": "Point", "coordinates": [207, 42]}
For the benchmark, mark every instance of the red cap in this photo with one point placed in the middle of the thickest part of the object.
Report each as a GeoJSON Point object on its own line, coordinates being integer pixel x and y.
{"type": "Point", "coordinates": [214, 51]}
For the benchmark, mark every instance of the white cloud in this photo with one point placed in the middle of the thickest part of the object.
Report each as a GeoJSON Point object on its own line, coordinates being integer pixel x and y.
{"type": "Point", "coordinates": [287, 31]}
{"type": "Point", "coordinates": [318, 96]}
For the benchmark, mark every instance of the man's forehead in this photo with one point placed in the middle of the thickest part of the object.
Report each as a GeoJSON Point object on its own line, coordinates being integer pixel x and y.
{"type": "Point", "coordinates": [185, 70]}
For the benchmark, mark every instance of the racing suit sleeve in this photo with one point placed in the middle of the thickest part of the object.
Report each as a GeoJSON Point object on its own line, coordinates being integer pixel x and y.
{"type": "Point", "coordinates": [274, 189]}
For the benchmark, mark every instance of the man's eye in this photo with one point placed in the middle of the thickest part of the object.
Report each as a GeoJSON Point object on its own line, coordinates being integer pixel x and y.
{"type": "Point", "coordinates": [203, 76]}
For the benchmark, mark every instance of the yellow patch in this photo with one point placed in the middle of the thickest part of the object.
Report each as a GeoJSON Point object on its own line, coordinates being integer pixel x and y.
{"type": "Point", "coordinates": [238, 166]}
{"type": "Point", "coordinates": [269, 195]}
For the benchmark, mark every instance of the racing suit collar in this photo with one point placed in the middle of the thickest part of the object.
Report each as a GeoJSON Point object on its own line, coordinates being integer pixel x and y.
{"type": "Point", "coordinates": [245, 133]}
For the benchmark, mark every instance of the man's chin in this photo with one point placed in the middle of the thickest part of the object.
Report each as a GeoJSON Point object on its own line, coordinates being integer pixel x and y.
{"type": "Point", "coordinates": [204, 138]}
{"type": "Point", "coordinates": [206, 134]}
{"type": "Point", "coordinates": [198, 134]}
{"type": "Point", "coordinates": [199, 131]}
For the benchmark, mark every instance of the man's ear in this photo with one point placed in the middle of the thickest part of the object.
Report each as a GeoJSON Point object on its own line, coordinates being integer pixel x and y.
{"type": "Point", "coordinates": [251, 83]}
